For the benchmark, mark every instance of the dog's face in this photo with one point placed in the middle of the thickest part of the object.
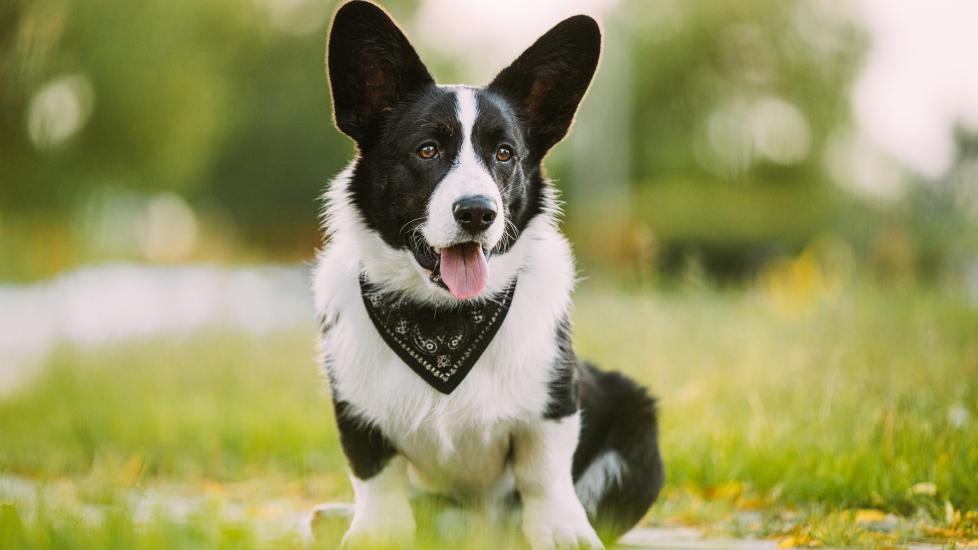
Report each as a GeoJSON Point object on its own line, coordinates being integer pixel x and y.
{"type": "Point", "coordinates": [452, 174]}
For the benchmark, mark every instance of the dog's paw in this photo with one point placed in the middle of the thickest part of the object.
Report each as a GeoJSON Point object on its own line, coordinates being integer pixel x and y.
{"type": "Point", "coordinates": [553, 525]}
{"type": "Point", "coordinates": [390, 527]}
{"type": "Point", "coordinates": [563, 536]}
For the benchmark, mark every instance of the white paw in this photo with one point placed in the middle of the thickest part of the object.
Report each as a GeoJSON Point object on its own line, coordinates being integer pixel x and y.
{"type": "Point", "coordinates": [390, 526]}
{"type": "Point", "coordinates": [555, 525]}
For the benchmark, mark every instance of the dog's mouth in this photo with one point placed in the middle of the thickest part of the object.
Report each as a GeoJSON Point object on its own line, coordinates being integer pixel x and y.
{"type": "Point", "coordinates": [462, 268]}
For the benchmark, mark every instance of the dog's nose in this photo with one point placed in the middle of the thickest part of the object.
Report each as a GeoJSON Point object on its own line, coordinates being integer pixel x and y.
{"type": "Point", "coordinates": [474, 213]}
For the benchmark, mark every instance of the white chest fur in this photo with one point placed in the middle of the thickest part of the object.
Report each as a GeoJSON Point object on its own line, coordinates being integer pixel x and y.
{"type": "Point", "coordinates": [456, 442]}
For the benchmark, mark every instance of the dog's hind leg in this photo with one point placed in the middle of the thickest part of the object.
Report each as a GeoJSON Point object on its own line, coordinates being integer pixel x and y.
{"type": "Point", "coordinates": [617, 468]}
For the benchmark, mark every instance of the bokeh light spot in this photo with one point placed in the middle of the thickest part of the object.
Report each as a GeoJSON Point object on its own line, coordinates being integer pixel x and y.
{"type": "Point", "coordinates": [59, 110]}
{"type": "Point", "coordinates": [169, 231]}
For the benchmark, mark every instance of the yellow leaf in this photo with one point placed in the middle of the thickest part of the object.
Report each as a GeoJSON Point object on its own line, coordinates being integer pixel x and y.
{"type": "Point", "coordinates": [788, 542]}
{"type": "Point", "coordinates": [750, 503]}
{"type": "Point", "coordinates": [727, 491]}
{"type": "Point", "coordinates": [869, 516]}
{"type": "Point", "coordinates": [799, 540]}
{"type": "Point", "coordinates": [924, 488]}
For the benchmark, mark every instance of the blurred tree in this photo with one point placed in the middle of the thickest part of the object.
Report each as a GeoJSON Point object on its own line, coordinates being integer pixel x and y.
{"type": "Point", "coordinates": [216, 101]}
{"type": "Point", "coordinates": [725, 112]}
{"type": "Point", "coordinates": [734, 102]}
{"type": "Point", "coordinates": [745, 90]}
{"type": "Point", "coordinates": [112, 93]}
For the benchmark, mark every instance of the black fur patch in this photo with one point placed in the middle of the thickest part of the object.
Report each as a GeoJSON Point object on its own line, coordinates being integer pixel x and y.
{"type": "Point", "coordinates": [562, 390]}
{"type": "Point", "coordinates": [391, 186]}
{"type": "Point", "coordinates": [366, 448]}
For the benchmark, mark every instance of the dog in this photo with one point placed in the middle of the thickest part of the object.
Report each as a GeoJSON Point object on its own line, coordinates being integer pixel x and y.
{"type": "Point", "coordinates": [443, 293]}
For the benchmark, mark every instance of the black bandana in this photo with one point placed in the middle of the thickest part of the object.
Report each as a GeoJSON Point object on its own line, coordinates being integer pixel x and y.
{"type": "Point", "coordinates": [440, 345]}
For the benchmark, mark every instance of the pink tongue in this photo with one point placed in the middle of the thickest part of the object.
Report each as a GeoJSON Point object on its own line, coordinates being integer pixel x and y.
{"type": "Point", "coordinates": [464, 270]}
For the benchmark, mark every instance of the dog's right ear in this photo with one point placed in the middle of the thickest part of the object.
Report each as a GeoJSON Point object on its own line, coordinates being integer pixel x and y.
{"type": "Point", "coordinates": [371, 67]}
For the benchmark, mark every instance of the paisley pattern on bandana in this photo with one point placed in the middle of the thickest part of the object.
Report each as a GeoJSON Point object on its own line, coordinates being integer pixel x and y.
{"type": "Point", "coordinates": [441, 345]}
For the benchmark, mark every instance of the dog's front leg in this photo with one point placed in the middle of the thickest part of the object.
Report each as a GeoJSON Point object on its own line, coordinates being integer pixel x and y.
{"type": "Point", "coordinates": [553, 516]}
{"type": "Point", "coordinates": [381, 511]}
{"type": "Point", "coordinates": [382, 514]}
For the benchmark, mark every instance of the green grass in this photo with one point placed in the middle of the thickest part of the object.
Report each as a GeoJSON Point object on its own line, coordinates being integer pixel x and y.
{"type": "Point", "coordinates": [794, 410]}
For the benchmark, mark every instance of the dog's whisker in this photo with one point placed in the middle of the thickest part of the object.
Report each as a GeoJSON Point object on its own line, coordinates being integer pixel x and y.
{"type": "Point", "coordinates": [414, 228]}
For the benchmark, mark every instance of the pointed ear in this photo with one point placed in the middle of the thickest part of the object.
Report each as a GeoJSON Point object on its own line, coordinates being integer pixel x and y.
{"type": "Point", "coordinates": [548, 80]}
{"type": "Point", "coordinates": [371, 67]}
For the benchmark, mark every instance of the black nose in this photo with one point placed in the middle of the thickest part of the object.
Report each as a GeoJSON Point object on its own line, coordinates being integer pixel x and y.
{"type": "Point", "coordinates": [474, 213]}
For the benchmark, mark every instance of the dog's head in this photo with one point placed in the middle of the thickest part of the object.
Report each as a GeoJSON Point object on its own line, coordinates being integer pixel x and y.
{"type": "Point", "coordinates": [451, 175]}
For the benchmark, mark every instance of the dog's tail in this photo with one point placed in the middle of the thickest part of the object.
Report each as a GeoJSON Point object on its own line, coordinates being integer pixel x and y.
{"type": "Point", "coordinates": [617, 468]}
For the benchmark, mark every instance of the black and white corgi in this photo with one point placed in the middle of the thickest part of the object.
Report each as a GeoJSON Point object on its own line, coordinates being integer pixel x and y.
{"type": "Point", "coordinates": [444, 296]}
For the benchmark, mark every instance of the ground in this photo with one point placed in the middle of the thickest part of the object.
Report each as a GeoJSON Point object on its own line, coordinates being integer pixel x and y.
{"type": "Point", "coordinates": [797, 412]}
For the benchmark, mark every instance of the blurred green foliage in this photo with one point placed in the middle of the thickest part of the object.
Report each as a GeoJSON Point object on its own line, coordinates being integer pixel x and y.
{"type": "Point", "coordinates": [691, 60]}
{"type": "Point", "coordinates": [225, 104]}
{"type": "Point", "coordinates": [207, 100]}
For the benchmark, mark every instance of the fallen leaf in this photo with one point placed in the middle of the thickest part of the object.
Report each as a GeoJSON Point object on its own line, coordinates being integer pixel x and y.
{"type": "Point", "coordinates": [869, 516]}
{"type": "Point", "coordinates": [788, 542]}
{"type": "Point", "coordinates": [750, 503]}
{"type": "Point", "coordinates": [799, 540]}
{"type": "Point", "coordinates": [730, 490]}
{"type": "Point", "coordinates": [942, 532]}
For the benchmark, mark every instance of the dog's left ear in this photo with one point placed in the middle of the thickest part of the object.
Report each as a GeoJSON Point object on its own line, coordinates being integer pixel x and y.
{"type": "Point", "coordinates": [547, 82]}
{"type": "Point", "coordinates": [372, 67]}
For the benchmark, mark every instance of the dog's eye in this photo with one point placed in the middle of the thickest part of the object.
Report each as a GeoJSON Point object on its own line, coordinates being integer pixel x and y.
{"type": "Point", "coordinates": [428, 151]}
{"type": "Point", "coordinates": [504, 153]}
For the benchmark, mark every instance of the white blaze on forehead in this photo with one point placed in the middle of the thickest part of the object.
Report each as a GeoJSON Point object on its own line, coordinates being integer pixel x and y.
{"type": "Point", "coordinates": [467, 109]}
{"type": "Point", "coordinates": [469, 176]}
